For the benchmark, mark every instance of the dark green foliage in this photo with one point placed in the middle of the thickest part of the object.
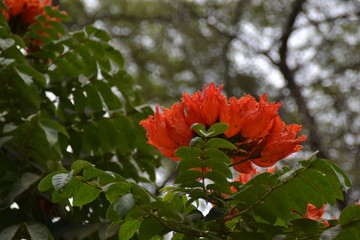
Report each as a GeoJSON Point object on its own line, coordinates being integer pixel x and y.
{"type": "Point", "coordinates": [269, 206]}
{"type": "Point", "coordinates": [63, 97]}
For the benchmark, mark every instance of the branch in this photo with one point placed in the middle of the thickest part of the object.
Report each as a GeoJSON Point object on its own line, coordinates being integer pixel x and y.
{"type": "Point", "coordinates": [309, 121]}
{"type": "Point", "coordinates": [262, 198]}
{"type": "Point", "coordinates": [194, 232]}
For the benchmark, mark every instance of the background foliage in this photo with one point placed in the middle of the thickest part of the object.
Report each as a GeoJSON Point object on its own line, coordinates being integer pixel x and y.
{"type": "Point", "coordinates": [72, 99]}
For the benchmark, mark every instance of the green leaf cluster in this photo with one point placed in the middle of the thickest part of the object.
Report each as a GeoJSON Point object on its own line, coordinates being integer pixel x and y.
{"type": "Point", "coordinates": [65, 96]}
{"type": "Point", "coordinates": [269, 206]}
{"type": "Point", "coordinates": [204, 166]}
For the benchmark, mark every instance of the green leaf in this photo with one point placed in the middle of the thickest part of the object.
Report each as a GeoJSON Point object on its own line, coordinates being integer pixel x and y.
{"type": "Point", "coordinates": [188, 152]}
{"type": "Point", "coordinates": [26, 78]}
{"type": "Point", "coordinates": [128, 229]}
{"type": "Point", "coordinates": [220, 182]}
{"type": "Point", "coordinates": [175, 199]}
{"type": "Point", "coordinates": [140, 194]}
{"type": "Point", "coordinates": [217, 154]}
{"type": "Point", "coordinates": [6, 43]}
{"type": "Point", "coordinates": [91, 136]}
{"type": "Point", "coordinates": [79, 165]}
{"type": "Point", "coordinates": [188, 163]}
{"type": "Point", "coordinates": [219, 166]}
{"type": "Point", "coordinates": [216, 129]}
{"type": "Point", "coordinates": [274, 194]}
{"type": "Point", "coordinates": [177, 236]}
{"type": "Point", "coordinates": [350, 214]}
{"type": "Point", "coordinates": [199, 128]}
{"type": "Point", "coordinates": [59, 181]}
{"type": "Point", "coordinates": [55, 13]}
{"type": "Point", "coordinates": [37, 231]}
{"type": "Point", "coordinates": [321, 184]}
{"type": "Point", "coordinates": [84, 193]}
{"type": "Point", "coordinates": [115, 56]}
{"type": "Point", "coordinates": [32, 73]}
{"type": "Point", "coordinates": [46, 122]}
{"type": "Point", "coordinates": [219, 143]}
{"type": "Point", "coordinates": [149, 228]}
{"type": "Point", "coordinates": [111, 100]}
{"type": "Point", "coordinates": [57, 26]}
{"type": "Point", "coordinates": [93, 98]}
{"type": "Point", "coordinates": [308, 226]}
{"type": "Point", "coordinates": [80, 101]}
{"type": "Point", "coordinates": [352, 232]}
{"type": "Point", "coordinates": [188, 176]}
{"type": "Point", "coordinates": [111, 215]}
{"type": "Point", "coordinates": [197, 142]}
{"type": "Point", "coordinates": [79, 189]}
{"type": "Point", "coordinates": [166, 210]}
{"type": "Point", "coordinates": [9, 128]}
{"type": "Point", "coordinates": [50, 133]}
{"type": "Point", "coordinates": [108, 136]}
{"type": "Point", "coordinates": [215, 213]}
{"type": "Point", "coordinates": [326, 168]}
{"type": "Point", "coordinates": [114, 190]}
{"type": "Point", "coordinates": [124, 204]}
{"type": "Point", "coordinates": [9, 232]}
{"type": "Point", "coordinates": [7, 61]}
{"type": "Point", "coordinates": [46, 183]}
{"type": "Point", "coordinates": [92, 173]}
{"type": "Point", "coordinates": [92, 31]}
{"type": "Point", "coordinates": [26, 180]}
{"type": "Point", "coordinates": [97, 48]}
{"type": "Point", "coordinates": [277, 205]}
{"type": "Point", "coordinates": [344, 179]}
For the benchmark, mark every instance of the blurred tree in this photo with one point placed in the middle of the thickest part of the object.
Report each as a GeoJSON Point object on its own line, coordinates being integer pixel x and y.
{"type": "Point", "coordinates": [304, 53]}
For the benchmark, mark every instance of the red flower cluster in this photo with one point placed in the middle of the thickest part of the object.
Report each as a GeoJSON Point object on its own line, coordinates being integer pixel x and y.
{"type": "Point", "coordinates": [27, 10]}
{"type": "Point", "coordinates": [254, 127]}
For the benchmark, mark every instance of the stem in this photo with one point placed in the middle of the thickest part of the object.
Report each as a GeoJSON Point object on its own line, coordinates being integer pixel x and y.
{"type": "Point", "coordinates": [173, 228]}
{"type": "Point", "coordinates": [203, 185]}
{"type": "Point", "coordinates": [203, 181]}
{"type": "Point", "coordinates": [265, 196]}
{"type": "Point", "coordinates": [88, 183]}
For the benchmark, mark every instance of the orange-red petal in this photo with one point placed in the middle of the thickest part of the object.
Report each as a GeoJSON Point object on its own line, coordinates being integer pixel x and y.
{"type": "Point", "coordinates": [158, 134]}
{"type": "Point", "coordinates": [259, 122]}
{"type": "Point", "coordinates": [244, 167]}
{"type": "Point", "coordinates": [234, 115]}
{"type": "Point", "coordinates": [211, 102]}
{"type": "Point", "coordinates": [313, 212]}
{"type": "Point", "coordinates": [15, 6]}
{"type": "Point", "coordinates": [280, 143]}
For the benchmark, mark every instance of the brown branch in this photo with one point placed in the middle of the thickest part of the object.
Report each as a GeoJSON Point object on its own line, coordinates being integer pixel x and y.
{"type": "Point", "coordinates": [309, 121]}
